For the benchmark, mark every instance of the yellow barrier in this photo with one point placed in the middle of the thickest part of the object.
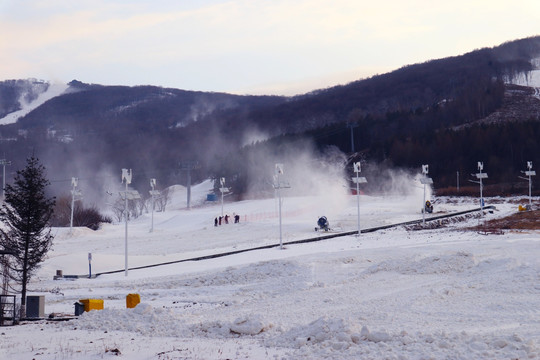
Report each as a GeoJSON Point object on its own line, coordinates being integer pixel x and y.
{"type": "Point", "coordinates": [92, 304]}
{"type": "Point", "coordinates": [132, 300]}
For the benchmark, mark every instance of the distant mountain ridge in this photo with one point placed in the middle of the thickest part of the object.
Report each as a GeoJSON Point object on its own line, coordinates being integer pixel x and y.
{"type": "Point", "coordinates": [153, 129]}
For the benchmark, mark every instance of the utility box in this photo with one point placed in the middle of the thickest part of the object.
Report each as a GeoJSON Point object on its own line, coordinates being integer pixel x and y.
{"type": "Point", "coordinates": [79, 308]}
{"type": "Point", "coordinates": [132, 300]}
{"type": "Point", "coordinates": [35, 306]}
{"type": "Point", "coordinates": [92, 304]}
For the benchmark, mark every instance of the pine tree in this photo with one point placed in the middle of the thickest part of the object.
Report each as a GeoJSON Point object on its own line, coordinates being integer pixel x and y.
{"type": "Point", "coordinates": [26, 232]}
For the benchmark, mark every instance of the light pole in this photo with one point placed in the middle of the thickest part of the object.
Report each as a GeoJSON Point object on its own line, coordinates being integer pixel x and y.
{"type": "Point", "coordinates": [357, 169]}
{"type": "Point", "coordinates": [74, 193]}
{"type": "Point", "coordinates": [4, 162]}
{"type": "Point", "coordinates": [154, 193]}
{"type": "Point", "coordinates": [480, 175]}
{"type": "Point", "coordinates": [126, 175]}
{"type": "Point", "coordinates": [222, 189]}
{"type": "Point", "coordinates": [530, 172]}
{"type": "Point", "coordinates": [425, 180]}
{"type": "Point", "coordinates": [277, 186]}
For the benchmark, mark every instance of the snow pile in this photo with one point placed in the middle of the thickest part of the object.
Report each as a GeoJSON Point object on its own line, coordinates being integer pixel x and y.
{"type": "Point", "coordinates": [248, 325]}
{"type": "Point", "coordinates": [334, 338]}
{"type": "Point", "coordinates": [143, 319]}
{"type": "Point", "coordinates": [325, 332]}
{"type": "Point", "coordinates": [160, 322]}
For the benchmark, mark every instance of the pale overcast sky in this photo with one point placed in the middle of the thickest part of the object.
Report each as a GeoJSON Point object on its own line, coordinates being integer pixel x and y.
{"type": "Point", "coordinates": [246, 46]}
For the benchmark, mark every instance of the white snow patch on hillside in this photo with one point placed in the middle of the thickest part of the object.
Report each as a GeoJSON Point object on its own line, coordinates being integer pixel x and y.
{"type": "Point", "coordinates": [54, 90]}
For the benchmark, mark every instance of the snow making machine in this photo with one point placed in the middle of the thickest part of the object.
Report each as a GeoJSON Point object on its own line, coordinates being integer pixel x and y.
{"type": "Point", "coordinates": [428, 207]}
{"type": "Point", "coordinates": [322, 224]}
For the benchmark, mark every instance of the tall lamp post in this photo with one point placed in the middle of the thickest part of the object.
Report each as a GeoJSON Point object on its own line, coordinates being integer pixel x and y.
{"type": "Point", "coordinates": [126, 176]}
{"type": "Point", "coordinates": [127, 195]}
{"type": "Point", "coordinates": [480, 175]}
{"type": "Point", "coordinates": [425, 180]}
{"type": "Point", "coordinates": [222, 189]}
{"type": "Point", "coordinates": [530, 172]}
{"type": "Point", "coordinates": [277, 186]}
{"type": "Point", "coordinates": [358, 180]}
{"type": "Point", "coordinates": [154, 193]}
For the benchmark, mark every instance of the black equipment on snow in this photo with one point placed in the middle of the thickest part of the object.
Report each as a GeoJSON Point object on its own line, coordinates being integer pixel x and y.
{"type": "Point", "coordinates": [428, 207]}
{"type": "Point", "coordinates": [323, 224]}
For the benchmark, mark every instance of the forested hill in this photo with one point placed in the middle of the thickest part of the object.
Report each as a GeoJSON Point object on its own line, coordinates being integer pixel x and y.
{"type": "Point", "coordinates": [402, 118]}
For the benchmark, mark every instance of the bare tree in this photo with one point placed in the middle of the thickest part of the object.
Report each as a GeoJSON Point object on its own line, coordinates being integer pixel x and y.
{"type": "Point", "coordinates": [162, 200]}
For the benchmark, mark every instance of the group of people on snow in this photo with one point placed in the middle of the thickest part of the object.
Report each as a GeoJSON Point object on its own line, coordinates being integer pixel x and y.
{"type": "Point", "coordinates": [225, 219]}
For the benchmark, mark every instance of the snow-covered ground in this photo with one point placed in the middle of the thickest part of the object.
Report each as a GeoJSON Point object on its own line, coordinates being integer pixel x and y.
{"type": "Point", "coordinates": [55, 89]}
{"type": "Point", "coordinates": [444, 293]}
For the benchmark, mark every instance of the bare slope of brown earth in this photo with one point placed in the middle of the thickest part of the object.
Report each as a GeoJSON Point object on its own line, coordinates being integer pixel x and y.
{"type": "Point", "coordinates": [521, 103]}
{"type": "Point", "coordinates": [521, 220]}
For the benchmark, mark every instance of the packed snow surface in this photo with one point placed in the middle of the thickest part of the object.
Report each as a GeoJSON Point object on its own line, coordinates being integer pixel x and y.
{"type": "Point", "coordinates": [444, 293]}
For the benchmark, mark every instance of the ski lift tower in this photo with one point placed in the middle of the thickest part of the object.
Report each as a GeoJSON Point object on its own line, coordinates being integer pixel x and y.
{"type": "Point", "coordinates": [127, 195]}
{"type": "Point", "coordinates": [4, 162]}
{"type": "Point", "coordinates": [530, 172]}
{"type": "Point", "coordinates": [277, 186]}
{"type": "Point", "coordinates": [480, 175]}
{"type": "Point", "coordinates": [358, 180]}
{"type": "Point", "coordinates": [154, 193]}
{"type": "Point", "coordinates": [75, 195]}
{"type": "Point", "coordinates": [425, 180]}
{"type": "Point", "coordinates": [188, 166]}
{"type": "Point", "coordinates": [223, 190]}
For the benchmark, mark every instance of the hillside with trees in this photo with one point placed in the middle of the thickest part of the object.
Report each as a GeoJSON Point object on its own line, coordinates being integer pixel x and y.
{"type": "Point", "coordinates": [421, 113]}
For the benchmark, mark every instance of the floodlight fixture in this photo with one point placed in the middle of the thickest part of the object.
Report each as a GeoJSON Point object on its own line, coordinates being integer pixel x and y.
{"type": "Point", "coordinates": [126, 175]}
